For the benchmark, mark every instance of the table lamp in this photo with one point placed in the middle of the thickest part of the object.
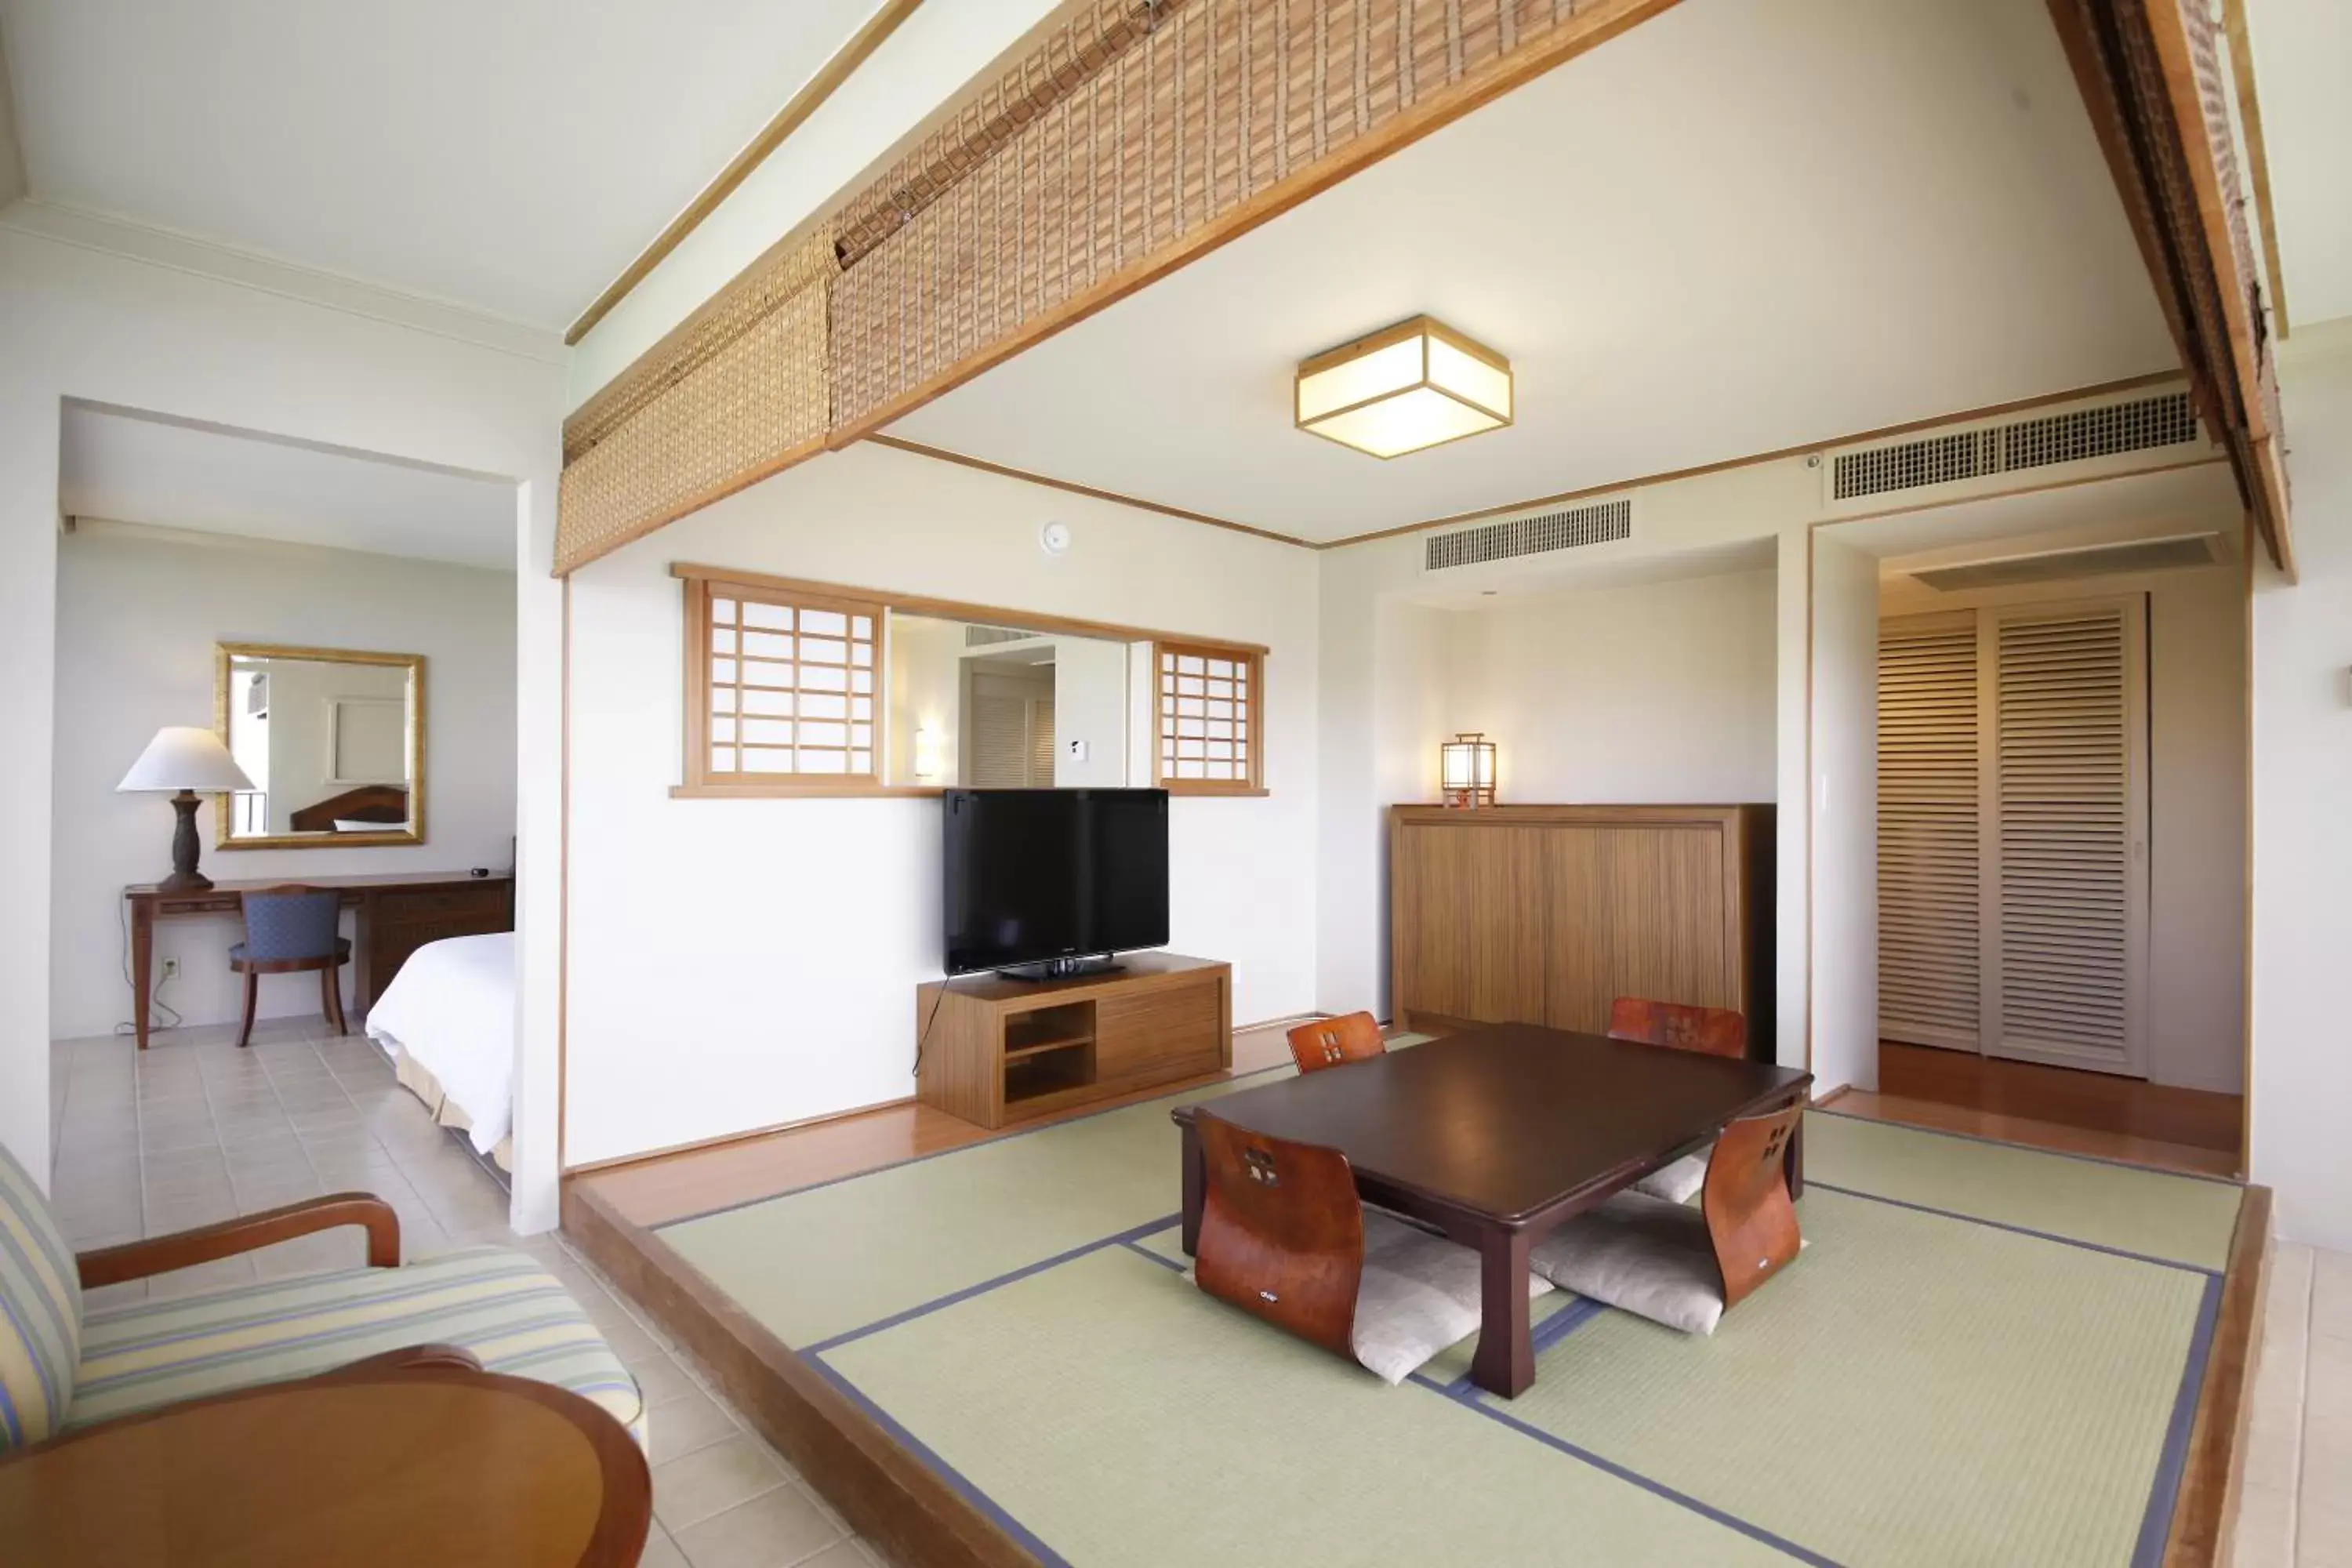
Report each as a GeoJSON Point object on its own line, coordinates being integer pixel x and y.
{"type": "Point", "coordinates": [185, 759]}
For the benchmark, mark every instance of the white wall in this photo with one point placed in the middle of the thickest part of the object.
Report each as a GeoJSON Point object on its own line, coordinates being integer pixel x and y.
{"type": "Point", "coordinates": [138, 611]}
{"type": "Point", "coordinates": [1653, 692]}
{"type": "Point", "coordinates": [132, 318]}
{"type": "Point", "coordinates": [1090, 705]}
{"type": "Point", "coordinates": [737, 963]}
{"type": "Point", "coordinates": [2197, 807]}
{"type": "Point", "coordinates": [2303, 823]}
{"type": "Point", "coordinates": [1844, 806]}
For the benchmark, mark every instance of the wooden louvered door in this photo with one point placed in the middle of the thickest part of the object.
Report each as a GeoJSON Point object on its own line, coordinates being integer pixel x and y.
{"type": "Point", "coordinates": [2064, 904]}
{"type": "Point", "coordinates": [1930, 978]}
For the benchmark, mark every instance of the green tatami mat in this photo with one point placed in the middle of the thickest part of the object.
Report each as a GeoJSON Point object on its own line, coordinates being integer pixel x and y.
{"type": "Point", "coordinates": [1915, 1390]}
{"type": "Point", "coordinates": [1121, 1417]}
{"type": "Point", "coordinates": [823, 1262]}
{"type": "Point", "coordinates": [2186, 1219]}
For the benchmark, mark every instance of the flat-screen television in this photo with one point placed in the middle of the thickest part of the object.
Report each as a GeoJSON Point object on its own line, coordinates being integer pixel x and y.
{"type": "Point", "coordinates": [1051, 877]}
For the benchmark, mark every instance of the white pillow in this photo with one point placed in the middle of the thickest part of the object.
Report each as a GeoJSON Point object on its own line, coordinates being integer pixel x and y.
{"type": "Point", "coordinates": [1679, 1182]}
{"type": "Point", "coordinates": [1420, 1294]}
{"type": "Point", "coordinates": [1643, 1254]}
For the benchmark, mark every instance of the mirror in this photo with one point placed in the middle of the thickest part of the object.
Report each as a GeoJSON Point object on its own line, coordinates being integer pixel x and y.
{"type": "Point", "coordinates": [997, 707]}
{"type": "Point", "coordinates": [333, 740]}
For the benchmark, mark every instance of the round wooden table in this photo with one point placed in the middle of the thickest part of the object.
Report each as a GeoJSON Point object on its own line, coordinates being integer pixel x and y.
{"type": "Point", "coordinates": [403, 1467]}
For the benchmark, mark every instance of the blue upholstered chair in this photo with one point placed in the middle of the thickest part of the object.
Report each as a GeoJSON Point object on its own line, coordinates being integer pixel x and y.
{"type": "Point", "coordinates": [289, 930]}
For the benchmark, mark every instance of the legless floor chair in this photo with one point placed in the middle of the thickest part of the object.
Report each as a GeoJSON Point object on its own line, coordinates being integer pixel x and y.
{"type": "Point", "coordinates": [1681, 1265]}
{"type": "Point", "coordinates": [1284, 1238]}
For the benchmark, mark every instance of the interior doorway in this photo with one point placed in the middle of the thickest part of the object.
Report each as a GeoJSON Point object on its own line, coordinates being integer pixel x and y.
{"type": "Point", "coordinates": [2062, 818]}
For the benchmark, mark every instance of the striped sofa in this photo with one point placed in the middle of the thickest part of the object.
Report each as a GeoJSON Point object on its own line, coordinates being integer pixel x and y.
{"type": "Point", "coordinates": [64, 1364]}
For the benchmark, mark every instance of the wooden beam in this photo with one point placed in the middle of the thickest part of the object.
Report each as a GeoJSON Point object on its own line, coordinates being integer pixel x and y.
{"type": "Point", "coordinates": [2151, 79]}
{"type": "Point", "coordinates": [772, 135]}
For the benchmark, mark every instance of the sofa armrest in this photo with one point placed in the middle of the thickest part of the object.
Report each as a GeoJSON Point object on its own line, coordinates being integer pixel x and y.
{"type": "Point", "coordinates": [207, 1243]}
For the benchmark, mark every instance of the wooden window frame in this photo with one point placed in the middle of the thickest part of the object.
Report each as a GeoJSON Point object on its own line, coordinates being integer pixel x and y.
{"type": "Point", "coordinates": [1254, 720]}
{"type": "Point", "coordinates": [703, 582]}
{"type": "Point", "coordinates": [701, 779]}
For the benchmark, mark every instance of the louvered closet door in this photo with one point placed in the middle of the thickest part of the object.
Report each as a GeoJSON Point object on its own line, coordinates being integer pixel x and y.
{"type": "Point", "coordinates": [1930, 978]}
{"type": "Point", "coordinates": [2067, 899]}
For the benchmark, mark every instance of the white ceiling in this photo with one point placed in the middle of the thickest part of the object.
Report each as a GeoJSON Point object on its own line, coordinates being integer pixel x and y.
{"type": "Point", "coordinates": [1735, 228]}
{"type": "Point", "coordinates": [512, 157]}
{"type": "Point", "coordinates": [2302, 78]}
{"type": "Point", "coordinates": [127, 469]}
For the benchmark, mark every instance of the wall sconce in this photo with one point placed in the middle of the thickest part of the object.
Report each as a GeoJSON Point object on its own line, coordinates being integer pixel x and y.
{"type": "Point", "coordinates": [1466, 768]}
{"type": "Point", "coordinates": [930, 755]}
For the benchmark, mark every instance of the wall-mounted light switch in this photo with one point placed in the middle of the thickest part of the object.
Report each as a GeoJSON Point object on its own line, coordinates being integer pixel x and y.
{"type": "Point", "coordinates": [1077, 750]}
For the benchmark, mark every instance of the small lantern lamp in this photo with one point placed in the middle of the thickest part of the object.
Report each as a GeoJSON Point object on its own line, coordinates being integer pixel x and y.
{"type": "Point", "coordinates": [1466, 767]}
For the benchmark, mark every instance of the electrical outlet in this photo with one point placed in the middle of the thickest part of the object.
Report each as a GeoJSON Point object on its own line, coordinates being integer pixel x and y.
{"type": "Point", "coordinates": [171, 969]}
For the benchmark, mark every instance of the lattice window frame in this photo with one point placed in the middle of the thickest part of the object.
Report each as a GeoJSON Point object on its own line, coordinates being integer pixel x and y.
{"type": "Point", "coordinates": [708, 730]}
{"type": "Point", "coordinates": [1168, 722]}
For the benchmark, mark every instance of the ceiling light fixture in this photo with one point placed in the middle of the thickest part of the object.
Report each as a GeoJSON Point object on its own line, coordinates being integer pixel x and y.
{"type": "Point", "coordinates": [1415, 385]}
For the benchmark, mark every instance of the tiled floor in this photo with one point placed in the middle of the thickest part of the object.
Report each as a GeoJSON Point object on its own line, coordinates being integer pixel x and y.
{"type": "Point", "coordinates": [2296, 1505]}
{"type": "Point", "coordinates": [197, 1130]}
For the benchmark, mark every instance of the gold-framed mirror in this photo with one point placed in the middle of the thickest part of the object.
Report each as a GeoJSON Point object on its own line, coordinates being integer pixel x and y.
{"type": "Point", "coordinates": [333, 740]}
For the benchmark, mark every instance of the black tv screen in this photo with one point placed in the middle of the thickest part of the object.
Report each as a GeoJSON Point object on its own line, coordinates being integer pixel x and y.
{"type": "Point", "coordinates": [1034, 876]}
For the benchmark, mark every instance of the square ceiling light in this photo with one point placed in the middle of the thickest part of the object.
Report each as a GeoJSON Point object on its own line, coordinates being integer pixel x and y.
{"type": "Point", "coordinates": [1418, 383]}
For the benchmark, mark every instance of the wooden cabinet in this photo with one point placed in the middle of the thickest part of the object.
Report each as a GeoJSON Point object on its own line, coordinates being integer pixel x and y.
{"type": "Point", "coordinates": [397, 920]}
{"type": "Point", "coordinates": [1541, 914]}
{"type": "Point", "coordinates": [994, 1049]}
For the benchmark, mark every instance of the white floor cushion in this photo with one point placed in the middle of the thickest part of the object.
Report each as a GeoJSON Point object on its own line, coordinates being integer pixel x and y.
{"type": "Point", "coordinates": [1680, 1182]}
{"type": "Point", "coordinates": [1643, 1254]}
{"type": "Point", "coordinates": [1420, 1294]}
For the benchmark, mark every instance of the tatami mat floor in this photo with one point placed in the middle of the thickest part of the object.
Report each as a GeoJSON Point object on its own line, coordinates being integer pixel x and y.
{"type": "Point", "coordinates": [197, 1130]}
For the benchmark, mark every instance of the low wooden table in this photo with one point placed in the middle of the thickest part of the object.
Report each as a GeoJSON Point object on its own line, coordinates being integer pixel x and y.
{"type": "Point", "coordinates": [1498, 1136]}
{"type": "Point", "coordinates": [361, 1469]}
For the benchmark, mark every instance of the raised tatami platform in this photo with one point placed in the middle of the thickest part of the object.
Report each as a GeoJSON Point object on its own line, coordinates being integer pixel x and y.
{"type": "Point", "coordinates": [1987, 1354]}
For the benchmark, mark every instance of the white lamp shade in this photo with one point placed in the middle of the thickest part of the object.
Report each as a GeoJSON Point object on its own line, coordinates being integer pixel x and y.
{"type": "Point", "coordinates": [184, 757]}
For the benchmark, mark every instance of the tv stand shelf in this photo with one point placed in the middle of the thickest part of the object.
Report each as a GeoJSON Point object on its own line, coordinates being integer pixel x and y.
{"type": "Point", "coordinates": [1001, 1051]}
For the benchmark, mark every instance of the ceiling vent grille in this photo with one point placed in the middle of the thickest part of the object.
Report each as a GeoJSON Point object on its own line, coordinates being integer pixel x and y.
{"type": "Point", "coordinates": [2167, 420]}
{"type": "Point", "coordinates": [1602, 523]}
{"type": "Point", "coordinates": [982, 636]}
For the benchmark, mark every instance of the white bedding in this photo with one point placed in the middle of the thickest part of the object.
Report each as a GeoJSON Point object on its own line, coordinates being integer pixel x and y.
{"type": "Point", "coordinates": [452, 1007]}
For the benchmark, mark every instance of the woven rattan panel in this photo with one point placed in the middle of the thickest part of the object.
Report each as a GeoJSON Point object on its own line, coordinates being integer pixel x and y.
{"type": "Point", "coordinates": [753, 393]}
{"type": "Point", "coordinates": [1222, 102]}
{"type": "Point", "coordinates": [1129, 132]}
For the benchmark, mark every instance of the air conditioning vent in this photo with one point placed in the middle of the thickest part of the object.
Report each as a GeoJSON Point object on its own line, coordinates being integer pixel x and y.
{"type": "Point", "coordinates": [2091, 561]}
{"type": "Point", "coordinates": [2166, 420]}
{"type": "Point", "coordinates": [1602, 523]}
{"type": "Point", "coordinates": [980, 636]}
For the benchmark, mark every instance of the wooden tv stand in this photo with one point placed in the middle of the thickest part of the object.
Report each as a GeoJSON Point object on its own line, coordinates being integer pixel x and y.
{"type": "Point", "coordinates": [1004, 1050]}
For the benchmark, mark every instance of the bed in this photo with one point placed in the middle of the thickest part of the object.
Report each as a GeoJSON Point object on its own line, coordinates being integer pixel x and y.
{"type": "Point", "coordinates": [447, 1021]}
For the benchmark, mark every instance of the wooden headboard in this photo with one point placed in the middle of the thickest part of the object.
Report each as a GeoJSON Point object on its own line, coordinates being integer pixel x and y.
{"type": "Point", "coordinates": [369, 802]}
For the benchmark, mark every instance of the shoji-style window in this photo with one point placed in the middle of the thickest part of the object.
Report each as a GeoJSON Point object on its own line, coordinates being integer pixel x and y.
{"type": "Point", "coordinates": [782, 686]}
{"type": "Point", "coordinates": [1209, 723]}
{"type": "Point", "coordinates": [2012, 832]}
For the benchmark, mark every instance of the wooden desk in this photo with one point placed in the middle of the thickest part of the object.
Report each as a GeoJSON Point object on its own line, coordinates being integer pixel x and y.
{"type": "Point", "coordinates": [399, 911]}
{"type": "Point", "coordinates": [363, 1469]}
{"type": "Point", "coordinates": [1498, 1136]}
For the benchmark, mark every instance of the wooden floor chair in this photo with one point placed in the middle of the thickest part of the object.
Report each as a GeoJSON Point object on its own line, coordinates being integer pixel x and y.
{"type": "Point", "coordinates": [1681, 1265]}
{"type": "Point", "coordinates": [1285, 1238]}
{"type": "Point", "coordinates": [1711, 1031]}
{"type": "Point", "coordinates": [1332, 1042]}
